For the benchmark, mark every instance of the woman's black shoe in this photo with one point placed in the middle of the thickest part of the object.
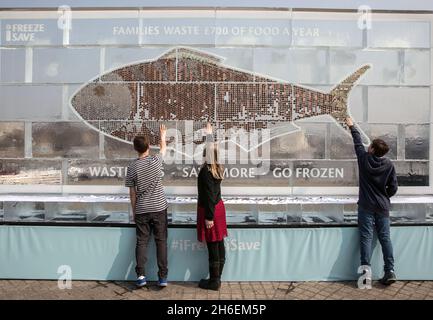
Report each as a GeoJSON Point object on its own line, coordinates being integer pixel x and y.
{"type": "Point", "coordinates": [210, 284]}
{"type": "Point", "coordinates": [203, 282]}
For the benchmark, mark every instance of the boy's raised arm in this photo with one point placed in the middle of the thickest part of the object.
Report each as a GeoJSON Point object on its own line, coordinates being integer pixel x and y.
{"type": "Point", "coordinates": [162, 143]}
{"type": "Point", "coordinates": [357, 141]}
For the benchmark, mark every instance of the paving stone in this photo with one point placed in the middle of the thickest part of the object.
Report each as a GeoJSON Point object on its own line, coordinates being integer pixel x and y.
{"type": "Point", "coordinates": [90, 290]}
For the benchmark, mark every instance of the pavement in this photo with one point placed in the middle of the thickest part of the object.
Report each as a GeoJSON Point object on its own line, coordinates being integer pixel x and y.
{"type": "Point", "coordinates": [125, 290]}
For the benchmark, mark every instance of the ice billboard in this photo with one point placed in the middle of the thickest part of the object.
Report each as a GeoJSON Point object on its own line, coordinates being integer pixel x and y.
{"type": "Point", "coordinates": [77, 86]}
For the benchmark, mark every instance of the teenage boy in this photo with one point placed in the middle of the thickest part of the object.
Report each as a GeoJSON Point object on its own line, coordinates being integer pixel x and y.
{"type": "Point", "coordinates": [149, 205]}
{"type": "Point", "coordinates": [377, 183]}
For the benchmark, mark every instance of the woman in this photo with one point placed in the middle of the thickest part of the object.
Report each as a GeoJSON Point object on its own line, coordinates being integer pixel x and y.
{"type": "Point", "coordinates": [211, 213]}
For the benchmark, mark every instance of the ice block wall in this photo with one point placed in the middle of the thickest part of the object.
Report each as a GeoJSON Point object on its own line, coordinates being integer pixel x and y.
{"type": "Point", "coordinates": [43, 141]}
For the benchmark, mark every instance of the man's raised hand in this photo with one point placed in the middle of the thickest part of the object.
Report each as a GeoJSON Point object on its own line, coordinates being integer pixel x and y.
{"type": "Point", "coordinates": [349, 122]}
{"type": "Point", "coordinates": [208, 128]}
{"type": "Point", "coordinates": [162, 131]}
{"type": "Point", "coordinates": [162, 143]}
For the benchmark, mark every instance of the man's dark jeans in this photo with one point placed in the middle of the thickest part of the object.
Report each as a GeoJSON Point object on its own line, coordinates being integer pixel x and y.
{"type": "Point", "coordinates": [147, 223]}
{"type": "Point", "coordinates": [367, 222]}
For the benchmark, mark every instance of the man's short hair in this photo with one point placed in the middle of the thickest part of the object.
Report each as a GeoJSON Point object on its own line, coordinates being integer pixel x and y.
{"type": "Point", "coordinates": [141, 144]}
{"type": "Point", "coordinates": [380, 148]}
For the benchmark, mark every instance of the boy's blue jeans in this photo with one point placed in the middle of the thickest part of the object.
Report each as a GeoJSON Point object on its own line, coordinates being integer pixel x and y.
{"type": "Point", "coordinates": [367, 222]}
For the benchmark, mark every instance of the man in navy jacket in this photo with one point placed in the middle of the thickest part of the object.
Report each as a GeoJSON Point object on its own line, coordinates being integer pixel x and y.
{"type": "Point", "coordinates": [377, 183]}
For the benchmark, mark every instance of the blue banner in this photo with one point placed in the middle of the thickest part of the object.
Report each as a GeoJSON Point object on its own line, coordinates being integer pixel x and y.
{"type": "Point", "coordinates": [286, 254]}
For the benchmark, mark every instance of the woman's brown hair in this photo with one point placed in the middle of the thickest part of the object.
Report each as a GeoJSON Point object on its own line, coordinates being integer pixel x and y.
{"type": "Point", "coordinates": [211, 155]}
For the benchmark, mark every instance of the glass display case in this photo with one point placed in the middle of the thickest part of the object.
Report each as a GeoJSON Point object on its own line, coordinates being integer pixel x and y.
{"type": "Point", "coordinates": [240, 211]}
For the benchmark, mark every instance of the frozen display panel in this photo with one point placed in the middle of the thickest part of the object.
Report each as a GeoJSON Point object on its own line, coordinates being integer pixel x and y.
{"type": "Point", "coordinates": [273, 214]}
{"type": "Point", "coordinates": [111, 212]}
{"type": "Point", "coordinates": [241, 213]}
{"type": "Point", "coordinates": [184, 213]}
{"type": "Point", "coordinates": [408, 213]}
{"type": "Point", "coordinates": [322, 213]}
{"type": "Point", "coordinates": [24, 211]}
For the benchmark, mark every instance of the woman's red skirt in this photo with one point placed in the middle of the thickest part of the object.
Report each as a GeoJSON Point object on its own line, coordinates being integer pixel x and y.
{"type": "Point", "coordinates": [219, 229]}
